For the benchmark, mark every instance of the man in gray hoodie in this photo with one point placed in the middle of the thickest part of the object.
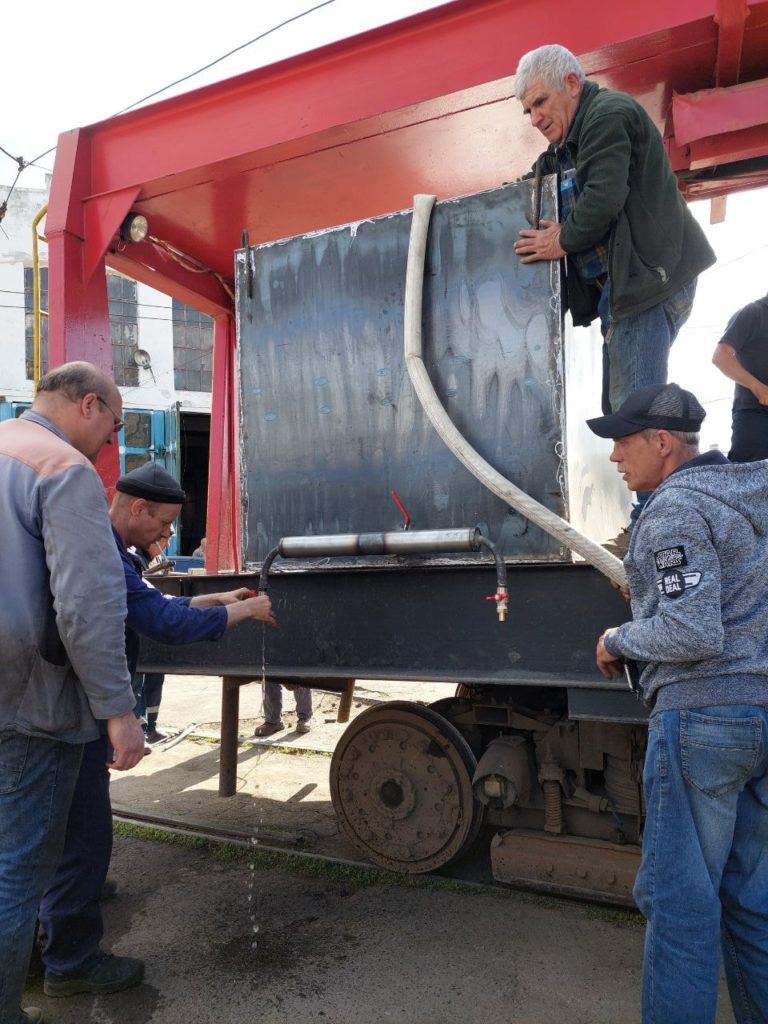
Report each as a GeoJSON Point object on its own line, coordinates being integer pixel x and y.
{"type": "Point", "coordinates": [697, 568]}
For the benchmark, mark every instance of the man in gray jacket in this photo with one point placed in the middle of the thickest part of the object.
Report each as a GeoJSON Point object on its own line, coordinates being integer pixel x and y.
{"type": "Point", "coordinates": [697, 570]}
{"type": "Point", "coordinates": [632, 248]}
{"type": "Point", "coordinates": [62, 620]}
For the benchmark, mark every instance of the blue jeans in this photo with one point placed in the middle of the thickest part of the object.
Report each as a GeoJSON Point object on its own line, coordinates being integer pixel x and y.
{"type": "Point", "coordinates": [37, 779]}
{"type": "Point", "coordinates": [70, 908]}
{"type": "Point", "coordinates": [703, 880]}
{"type": "Point", "coordinates": [636, 351]}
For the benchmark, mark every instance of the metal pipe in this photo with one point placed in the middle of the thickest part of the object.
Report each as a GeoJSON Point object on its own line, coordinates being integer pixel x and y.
{"type": "Point", "coordinates": [37, 312]}
{"type": "Point", "coordinates": [414, 542]}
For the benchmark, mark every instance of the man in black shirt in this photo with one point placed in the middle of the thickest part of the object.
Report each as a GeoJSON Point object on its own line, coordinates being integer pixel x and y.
{"type": "Point", "coordinates": [742, 355]}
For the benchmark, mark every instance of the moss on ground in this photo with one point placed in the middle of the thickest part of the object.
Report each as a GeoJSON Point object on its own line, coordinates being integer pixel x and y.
{"type": "Point", "coordinates": [359, 877]}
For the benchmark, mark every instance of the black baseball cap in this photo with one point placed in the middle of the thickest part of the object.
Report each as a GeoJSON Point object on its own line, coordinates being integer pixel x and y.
{"type": "Point", "coordinates": [658, 406]}
{"type": "Point", "coordinates": [152, 483]}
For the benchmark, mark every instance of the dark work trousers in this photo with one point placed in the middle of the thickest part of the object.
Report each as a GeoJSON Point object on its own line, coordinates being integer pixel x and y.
{"type": "Point", "coordinates": [148, 688]}
{"type": "Point", "coordinates": [70, 911]}
{"type": "Point", "coordinates": [749, 435]}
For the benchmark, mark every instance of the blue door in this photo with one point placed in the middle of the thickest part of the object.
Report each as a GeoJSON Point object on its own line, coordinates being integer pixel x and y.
{"type": "Point", "coordinates": [151, 436]}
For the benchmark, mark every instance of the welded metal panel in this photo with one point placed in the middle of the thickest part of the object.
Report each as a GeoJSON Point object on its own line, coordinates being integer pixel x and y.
{"type": "Point", "coordinates": [330, 421]}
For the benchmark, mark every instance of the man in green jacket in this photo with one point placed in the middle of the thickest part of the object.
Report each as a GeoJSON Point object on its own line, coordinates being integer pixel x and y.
{"type": "Point", "coordinates": [632, 248]}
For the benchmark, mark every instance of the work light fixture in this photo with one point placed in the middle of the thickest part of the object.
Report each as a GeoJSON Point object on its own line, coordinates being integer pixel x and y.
{"type": "Point", "coordinates": [134, 228]}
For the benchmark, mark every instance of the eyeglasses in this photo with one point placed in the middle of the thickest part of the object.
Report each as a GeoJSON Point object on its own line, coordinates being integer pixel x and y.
{"type": "Point", "coordinates": [118, 424]}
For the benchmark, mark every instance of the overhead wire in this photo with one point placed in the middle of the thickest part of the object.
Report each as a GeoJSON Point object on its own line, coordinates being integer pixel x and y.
{"type": "Point", "coordinates": [23, 164]}
{"type": "Point", "coordinates": [256, 39]}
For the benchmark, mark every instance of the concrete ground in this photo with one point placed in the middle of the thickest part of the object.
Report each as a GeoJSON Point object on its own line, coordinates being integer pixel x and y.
{"type": "Point", "coordinates": [239, 934]}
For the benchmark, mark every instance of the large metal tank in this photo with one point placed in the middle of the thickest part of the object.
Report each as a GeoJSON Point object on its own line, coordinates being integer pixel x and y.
{"type": "Point", "coordinates": [330, 424]}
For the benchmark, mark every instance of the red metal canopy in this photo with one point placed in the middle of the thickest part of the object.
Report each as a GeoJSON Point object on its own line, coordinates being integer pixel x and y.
{"type": "Point", "coordinates": [354, 130]}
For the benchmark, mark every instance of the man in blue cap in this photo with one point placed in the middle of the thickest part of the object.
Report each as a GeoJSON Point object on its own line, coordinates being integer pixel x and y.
{"type": "Point", "coordinates": [146, 503]}
{"type": "Point", "coordinates": [696, 568]}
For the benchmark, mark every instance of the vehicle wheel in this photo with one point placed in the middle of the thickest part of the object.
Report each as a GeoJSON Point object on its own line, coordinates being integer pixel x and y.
{"type": "Point", "coordinates": [401, 786]}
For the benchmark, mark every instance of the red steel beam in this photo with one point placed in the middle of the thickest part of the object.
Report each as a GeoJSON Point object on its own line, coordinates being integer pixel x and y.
{"type": "Point", "coordinates": [730, 17]}
{"type": "Point", "coordinates": [447, 49]}
{"type": "Point", "coordinates": [729, 148]}
{"type": "Point", "coordinates": [712, 112]}
{"type": "Point", "coordinates": [78, 306]}
{"type": "Point", "coordinates": [150, 265]}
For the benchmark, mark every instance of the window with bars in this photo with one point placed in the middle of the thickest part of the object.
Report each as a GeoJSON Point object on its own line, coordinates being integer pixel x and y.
{"type": "Point", "coordinates": [123, 315]}
{"type": "Point", "coordinates": [192, 348]}
{"type": "Point", "coordinates": [29, 321]}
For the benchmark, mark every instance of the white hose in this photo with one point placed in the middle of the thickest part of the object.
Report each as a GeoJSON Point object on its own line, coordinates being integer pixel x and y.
{"type": "Point", "coordinates": [523, 503]}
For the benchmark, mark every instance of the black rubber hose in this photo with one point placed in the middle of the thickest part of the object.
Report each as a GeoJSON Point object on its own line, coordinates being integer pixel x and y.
{"type": "Point", "coordinates": [266, 565]}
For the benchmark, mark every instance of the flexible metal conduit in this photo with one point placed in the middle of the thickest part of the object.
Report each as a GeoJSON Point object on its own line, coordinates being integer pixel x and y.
{"type": "Point", "coordinates": [523, 503]}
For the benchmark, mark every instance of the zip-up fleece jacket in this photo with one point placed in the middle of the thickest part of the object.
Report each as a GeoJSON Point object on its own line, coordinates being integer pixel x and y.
{"type": "Point", "coordinates": [628, 192]}
{"type": "Point", "coordinates": [62, 591]}
{"type": "Point", "coordinates": [697, 568]}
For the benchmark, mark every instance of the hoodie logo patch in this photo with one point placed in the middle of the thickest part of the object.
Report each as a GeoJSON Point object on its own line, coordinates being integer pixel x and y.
{"type": "Point", "coordinates": [670, 558]}
{"type": "Point", "coordinates": [674, 583]}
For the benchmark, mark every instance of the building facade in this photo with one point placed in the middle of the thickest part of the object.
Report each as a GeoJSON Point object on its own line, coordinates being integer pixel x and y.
{"type": "Point", "coordinates": [162, 362]}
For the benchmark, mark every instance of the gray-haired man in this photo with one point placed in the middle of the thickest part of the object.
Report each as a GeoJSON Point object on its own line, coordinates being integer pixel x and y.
{"type": "Point", "coordinates": [632, 248]}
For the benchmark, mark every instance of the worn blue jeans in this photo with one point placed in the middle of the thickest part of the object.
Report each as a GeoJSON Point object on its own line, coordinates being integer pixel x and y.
{"type": "Point", "coordinates": [37, 779]}
{"type": "Point", "coordinates": [70, 908]}
{"type": "Point", "coordinates": [636, 351]}
{"type": "Point", "coordinates": [703, 881]}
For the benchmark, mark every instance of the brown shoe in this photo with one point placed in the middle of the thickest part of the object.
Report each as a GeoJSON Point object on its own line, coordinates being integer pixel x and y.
{"type": "Point", "coordinates": [269, 729]}
{"type": "Point", "coordinates": [302, 727]}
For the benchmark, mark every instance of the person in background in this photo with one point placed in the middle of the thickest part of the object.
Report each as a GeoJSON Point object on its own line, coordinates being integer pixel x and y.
{"type": "Point", "coordinates": [145, 505]}
{"type": "Point", "coordinates": [696, 570]}
{"type": "Point", "coordinates": [62, 619]}
{"type": "Point", "coordinates": [632, 249]}
{"type": "Point", "coordinates": [742, 355]}
{"type": "Point", "coordinates": [148, 686]}
{"type": "Point", "coordinates": [273, 709]}
{"type": "Point", "coordinates": [199, 551]}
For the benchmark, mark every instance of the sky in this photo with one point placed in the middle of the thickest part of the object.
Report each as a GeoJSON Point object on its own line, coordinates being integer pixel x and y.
{"type": "Point", "coordinates": [72, 63]}
{"type": "Point", "coordinates": [86, 60]}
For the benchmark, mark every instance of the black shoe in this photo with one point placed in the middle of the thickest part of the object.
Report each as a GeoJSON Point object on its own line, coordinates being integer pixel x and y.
{"type": "Point", "coordinates": [153, 736]}
{"type": "Point", "coordinates": [107, 973]}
